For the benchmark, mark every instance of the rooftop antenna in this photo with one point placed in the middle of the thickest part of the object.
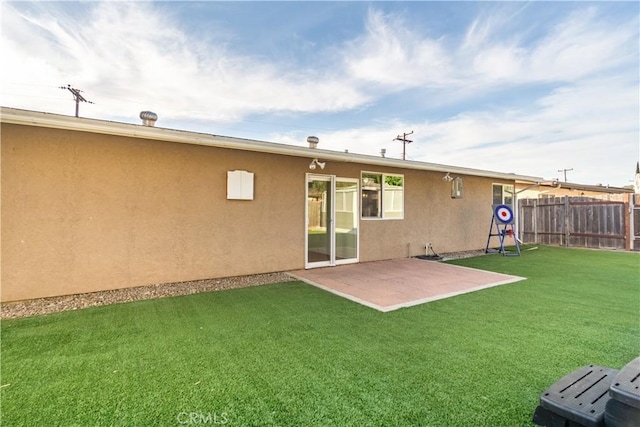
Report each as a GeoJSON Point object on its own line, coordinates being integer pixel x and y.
{"type": "Point", "coordinates": [405, 141]}
{"type": "Point", "coordinates": [76, 96]}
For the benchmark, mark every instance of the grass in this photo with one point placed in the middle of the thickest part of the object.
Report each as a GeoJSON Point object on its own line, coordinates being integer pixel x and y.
{"type": "Point", "coordinates": [292, 355]}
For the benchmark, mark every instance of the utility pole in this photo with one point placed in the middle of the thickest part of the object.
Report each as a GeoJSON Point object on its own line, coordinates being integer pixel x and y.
{"type": "Point", "coordinates": [405, 141]}
{"type": "Point", "coordinates": [565, 173]}
{"type": "Point", "coordinates": [76, 96]}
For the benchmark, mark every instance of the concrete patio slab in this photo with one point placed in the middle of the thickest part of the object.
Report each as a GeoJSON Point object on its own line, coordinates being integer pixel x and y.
{"type": "Point", "coordinates": [392, 284]}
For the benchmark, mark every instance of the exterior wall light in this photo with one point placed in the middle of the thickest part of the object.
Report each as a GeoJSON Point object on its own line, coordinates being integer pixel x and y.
{"type": "Point", "coordinates": [316, 162]}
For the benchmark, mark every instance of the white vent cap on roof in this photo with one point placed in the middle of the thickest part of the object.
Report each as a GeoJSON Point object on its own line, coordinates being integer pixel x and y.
{"type": "Point", "coordinates": [148, 118]}
{"type": "Point", "coordinates": [313, 141]}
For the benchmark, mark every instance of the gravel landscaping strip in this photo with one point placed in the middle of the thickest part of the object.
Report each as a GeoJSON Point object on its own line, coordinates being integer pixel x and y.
{"type": "Point", "coordinates": [36, 307]}
{"type": "Point", "coordinates": [465, 254]}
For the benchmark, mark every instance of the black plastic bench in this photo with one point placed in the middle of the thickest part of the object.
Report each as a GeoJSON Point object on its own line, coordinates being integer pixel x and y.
{"type": "Point", "coordinates": [593, 396]}
{"type": "Point", "coordinates": [623, 409]}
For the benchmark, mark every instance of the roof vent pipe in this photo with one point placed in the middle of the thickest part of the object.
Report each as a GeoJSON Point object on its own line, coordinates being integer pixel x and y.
{"type": "Point", "coordinates": [383, 152]}
{"type": "Point", "coordinates": [148, 118]}
{"type": "Point", "coordinates": [313, 141]}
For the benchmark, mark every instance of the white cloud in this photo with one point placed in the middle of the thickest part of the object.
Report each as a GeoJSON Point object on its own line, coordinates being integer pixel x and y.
{"type": "Point", "coordinates": [491, 53]}
{"type": "Point", "coordinates": [365, 140]}
{"type": "Point", "coordinates": [590, 127]}
{"type": "Point", "coordinates": [582, 46]}
{"type": "Point", "coordinates": [391, 55]}
{"type": "Point", "coordinates": [130, 53]}
{"type": "Point", "coordinates": [579, 76]}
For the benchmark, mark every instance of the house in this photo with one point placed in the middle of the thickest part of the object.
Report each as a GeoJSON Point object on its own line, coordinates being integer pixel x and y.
{"type": "Point", "coordinates": [559, 189]}
{"type": "Point", "coordinates": [91, 205]}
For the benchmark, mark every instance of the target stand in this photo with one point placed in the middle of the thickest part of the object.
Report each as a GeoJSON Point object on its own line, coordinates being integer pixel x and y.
{"type": "Point", "coordinates": [502, 227]}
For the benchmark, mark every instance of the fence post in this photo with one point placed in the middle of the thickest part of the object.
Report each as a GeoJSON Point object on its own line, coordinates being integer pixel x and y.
{"type": "Point", "coordinates": [565, 223]}
{"type": "Point", "coordinates": [534, 220]}
{"type": "Point", "coordinates": [627, 216]}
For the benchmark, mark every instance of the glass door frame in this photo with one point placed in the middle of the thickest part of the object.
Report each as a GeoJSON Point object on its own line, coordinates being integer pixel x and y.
{"type": "Point", "coordinates": [331, 220]}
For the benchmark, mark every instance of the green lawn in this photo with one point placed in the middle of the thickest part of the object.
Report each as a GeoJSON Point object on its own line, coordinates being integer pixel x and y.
{"type": "Point", "coordinates": [293, 355]}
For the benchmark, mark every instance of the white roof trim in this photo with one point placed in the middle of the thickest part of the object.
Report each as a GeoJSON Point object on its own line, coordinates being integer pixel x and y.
{"type": "Point", "coordinates": [56, 121]}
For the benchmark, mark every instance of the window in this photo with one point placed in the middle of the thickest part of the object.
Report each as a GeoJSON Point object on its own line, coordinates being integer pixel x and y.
{"type": "Point", "coordinates": [502, 194]}
{"type": "Point", "coordinates": [382, 196]}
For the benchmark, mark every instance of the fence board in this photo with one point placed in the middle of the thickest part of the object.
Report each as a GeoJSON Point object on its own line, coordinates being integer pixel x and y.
{"type": "Point", "coordinates": [573, 221]}
{"type": "Point", "coordinates": [634, 227]}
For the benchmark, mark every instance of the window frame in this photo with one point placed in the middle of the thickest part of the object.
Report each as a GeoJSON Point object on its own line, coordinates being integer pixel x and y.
{"type": "Point", "coordinates": [382, 212]}
{"type": "Point", "coordinates": [505, 194]}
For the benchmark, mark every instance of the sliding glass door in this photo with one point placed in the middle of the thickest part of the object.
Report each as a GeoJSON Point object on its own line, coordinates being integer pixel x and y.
{"type": "Point", "coordinates": [332, 220]}
{"type": "Point", "coordinates": [346, 220]}
{"type": "Point", "coordinates": [319, 195]}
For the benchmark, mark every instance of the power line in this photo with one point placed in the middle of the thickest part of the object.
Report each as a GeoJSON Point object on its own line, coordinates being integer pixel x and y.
{"type": "Point", "coordinates": [76, 96]}
{"type": "Point", "coordinates": [405, 141]}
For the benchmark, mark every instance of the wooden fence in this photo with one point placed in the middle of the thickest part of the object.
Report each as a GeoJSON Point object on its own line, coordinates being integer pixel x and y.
{"type": "Point", "coordinates": [635, 223]}
{"type": "Point", "coordinates": [574, 221]}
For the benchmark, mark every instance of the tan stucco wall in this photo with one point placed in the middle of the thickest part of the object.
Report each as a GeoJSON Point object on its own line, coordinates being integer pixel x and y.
{"type": "Point", "coordinates": [431, 216]}
{"type": "Point", "coordinates": [84, 212]}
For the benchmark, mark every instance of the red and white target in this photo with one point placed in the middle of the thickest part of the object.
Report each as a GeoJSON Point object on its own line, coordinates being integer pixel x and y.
{"type": "Point", "coordinates": [504, 214]}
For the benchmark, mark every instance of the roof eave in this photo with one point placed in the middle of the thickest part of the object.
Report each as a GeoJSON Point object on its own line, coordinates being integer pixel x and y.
{"type": "Point", "coordinates": [56, 121]}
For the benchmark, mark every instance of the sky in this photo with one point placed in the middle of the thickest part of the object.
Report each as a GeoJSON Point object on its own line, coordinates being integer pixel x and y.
{"type": "Point", "coordinates": [531, 88]}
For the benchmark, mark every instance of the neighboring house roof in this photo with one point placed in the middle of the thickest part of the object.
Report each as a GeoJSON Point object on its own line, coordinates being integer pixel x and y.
{"type": "Point", "coordinates": [56, 121]}
{"type": "Point", "coordinates": [583, 187]}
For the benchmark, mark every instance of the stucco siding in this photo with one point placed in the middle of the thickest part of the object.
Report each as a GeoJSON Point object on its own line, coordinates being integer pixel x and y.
{"type": "Point", "coordinates": [84, 212]}
{"type": "Point", "coordinates": [431, 216]}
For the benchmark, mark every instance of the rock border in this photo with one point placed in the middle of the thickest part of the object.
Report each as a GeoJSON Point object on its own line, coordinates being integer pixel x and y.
{"type": "Point", "coordinates": [40, 306]}
{"type": "Point", "coordinates": [36, 307]}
